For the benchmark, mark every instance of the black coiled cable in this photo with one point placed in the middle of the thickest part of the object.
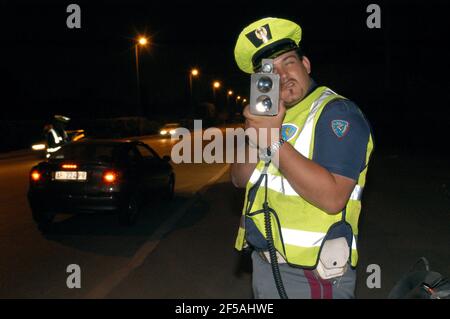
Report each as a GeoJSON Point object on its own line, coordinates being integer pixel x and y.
{"type": "Point", "coordinates": [270, 245]}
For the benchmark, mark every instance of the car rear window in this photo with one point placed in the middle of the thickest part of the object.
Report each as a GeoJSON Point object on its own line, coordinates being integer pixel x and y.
{"type": "Point", "coordinates": [90, 152]}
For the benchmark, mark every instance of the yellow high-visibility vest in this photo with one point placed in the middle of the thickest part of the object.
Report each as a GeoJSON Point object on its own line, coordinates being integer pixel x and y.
{"type": "Point", "coordinates": [301, 227]}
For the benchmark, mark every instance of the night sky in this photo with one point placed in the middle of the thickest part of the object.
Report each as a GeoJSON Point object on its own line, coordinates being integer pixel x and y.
{"type": "Point", "coordinates": [395, 74]}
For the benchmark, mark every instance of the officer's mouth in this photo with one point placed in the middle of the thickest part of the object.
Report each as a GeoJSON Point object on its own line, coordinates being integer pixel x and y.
{"type": "Point", "coordinates": [287, 85]}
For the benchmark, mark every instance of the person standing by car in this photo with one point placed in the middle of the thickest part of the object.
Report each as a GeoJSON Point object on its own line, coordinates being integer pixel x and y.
{"type": "Point", "coordinates": [59, 124]}
{"type": "Point", "coordinates": [304, 218]}
{"type": "Point", "coordinates": [56, 134]}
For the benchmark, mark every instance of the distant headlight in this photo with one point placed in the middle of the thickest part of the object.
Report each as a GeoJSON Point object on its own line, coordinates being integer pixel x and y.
{"type": "Point", "coordinates": [38, 147]}
{"type": "Point", "coordinates": [172, 132]}
{"type": "Point", "coordinates": [163, 132]}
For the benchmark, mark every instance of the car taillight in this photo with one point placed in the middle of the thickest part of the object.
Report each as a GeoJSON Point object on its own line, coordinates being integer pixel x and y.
{"type": "Point", "coordinates": [35, 175]}
{"type": "Point", "coordinates": [110, 177]}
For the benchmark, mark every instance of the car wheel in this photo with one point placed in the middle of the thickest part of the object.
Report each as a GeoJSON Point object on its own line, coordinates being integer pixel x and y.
{"type": "Point", "coordinates": [43, 219]}
{"type": "Point", "coordinates": [170, 188]}
{"type": "Point", "coordinates": [129, 213]}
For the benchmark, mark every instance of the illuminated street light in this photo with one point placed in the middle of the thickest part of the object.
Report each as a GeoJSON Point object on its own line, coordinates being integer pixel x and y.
{"type": "Point", "coordinates": [229, 94]}
{"type": "Point", "coordinates": [193, 73]}
{"type": "Point", "coordinates": [244, 100]}
{"type": "Point", "coordinates": [140, 41]}
{"type": "Point", "coordinates": [143, 41]}
{"type": "Point", "coordinates": [216, 85]}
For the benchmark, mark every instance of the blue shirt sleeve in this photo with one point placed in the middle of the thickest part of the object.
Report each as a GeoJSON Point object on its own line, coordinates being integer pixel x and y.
{"type": "Point", "coordinates": [341, 138]}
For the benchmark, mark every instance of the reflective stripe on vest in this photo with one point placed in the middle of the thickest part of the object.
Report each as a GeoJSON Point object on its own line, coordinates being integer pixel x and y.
{"type": "Point", "coordinates": [304, 140]}
{"type": "Point", "coordinates": [302, 238]}
{"type": "Point", "coordinates": [281, 185]}
{"type": "Point", "coordinates": [53, 149]}
{"type": "Point", "coordinates": [56, 137]}
{"type": "Point", "coordinates": [357, 193]}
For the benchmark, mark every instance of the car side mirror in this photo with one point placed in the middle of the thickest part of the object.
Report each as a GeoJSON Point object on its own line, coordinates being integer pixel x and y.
{"type": "Point", "coordinates": [166, 158]}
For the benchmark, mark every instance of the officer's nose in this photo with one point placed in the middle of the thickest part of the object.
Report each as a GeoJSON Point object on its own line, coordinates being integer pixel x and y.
{"type": "Point", "coordinates": [280, 71]}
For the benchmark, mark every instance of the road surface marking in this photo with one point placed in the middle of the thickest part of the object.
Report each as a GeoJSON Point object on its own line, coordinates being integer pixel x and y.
{"type": "Point", "coordinates": [102, 289]}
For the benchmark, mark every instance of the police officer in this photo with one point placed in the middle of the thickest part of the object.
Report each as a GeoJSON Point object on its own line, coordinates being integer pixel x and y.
{"type": "Point", "coordinates": [323, 144]}
{"type": "Point", "coordinates": [56, 134]}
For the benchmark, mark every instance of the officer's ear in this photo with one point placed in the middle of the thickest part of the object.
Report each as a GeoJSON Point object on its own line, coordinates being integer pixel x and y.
{"type": "Point", "coordinates": [306, 63]}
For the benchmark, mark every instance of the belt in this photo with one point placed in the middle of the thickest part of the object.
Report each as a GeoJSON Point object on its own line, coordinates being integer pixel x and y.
{"type": "Point", "coordinates": [265, 256]}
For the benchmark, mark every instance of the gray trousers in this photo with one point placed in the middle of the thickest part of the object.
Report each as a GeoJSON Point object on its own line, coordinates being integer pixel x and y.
{"type": "Point", "coordinates": [300, 283]}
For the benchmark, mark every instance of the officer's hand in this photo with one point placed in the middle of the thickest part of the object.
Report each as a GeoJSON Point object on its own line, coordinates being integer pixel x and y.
{"type": "Point", "coordinates": [267, 129]}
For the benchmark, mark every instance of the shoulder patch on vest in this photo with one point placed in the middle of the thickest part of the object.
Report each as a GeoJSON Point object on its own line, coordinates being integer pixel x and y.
{"type": "Point", "coordinates": [340, 127]}
{"type": "Point", "coordinates": [288, 131]}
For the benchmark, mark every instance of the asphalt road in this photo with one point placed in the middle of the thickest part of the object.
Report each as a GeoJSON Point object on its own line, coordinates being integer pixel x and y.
{"type": "Point", "coordinates": [184, 249]}
{"type": "Point", "coordinates": [34, 266]}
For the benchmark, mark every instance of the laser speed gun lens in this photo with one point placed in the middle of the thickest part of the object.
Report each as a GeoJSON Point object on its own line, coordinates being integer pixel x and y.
{"type": "Point", "coordinates": [264, 84]}
{"type": "Point", "coordinates": [263, 103]}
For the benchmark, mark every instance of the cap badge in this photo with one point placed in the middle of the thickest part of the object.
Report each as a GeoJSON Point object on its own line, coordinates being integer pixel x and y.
{"type": "Point", "coordinates": [261, 33]}
{"type": "Point", "coordinates": [260, 36]}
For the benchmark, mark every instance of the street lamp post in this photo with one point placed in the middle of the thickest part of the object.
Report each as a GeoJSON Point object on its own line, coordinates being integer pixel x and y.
{"type": "Point", "coordinates": [193, 73]}
{"type": "Point", "coordinates": [230, 108]}
{"type": "Point", "coordinates": [229, 94]}
{"type": "Point", "coordinates": [141, 41]}
{"type": "Point", "coordinates": [138, 85]}
{"type": "Point", "coordinates": [216, 85]}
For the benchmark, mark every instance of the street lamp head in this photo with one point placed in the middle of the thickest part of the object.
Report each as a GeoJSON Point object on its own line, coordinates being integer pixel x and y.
{"type": "Point", "coordinates": [194, 72]}
{"type": "Point", "coordinates": [142, 40]}
{"type": "Point", "coordinates": [238, 97]}
{"type": "Point", "coordinates": [230, 93]}
{"type": "Point", "coordinates": [216, 84]}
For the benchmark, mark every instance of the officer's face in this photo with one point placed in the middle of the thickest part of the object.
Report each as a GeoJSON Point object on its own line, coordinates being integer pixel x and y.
{"type": "Point", "coordinates": [294, 77]}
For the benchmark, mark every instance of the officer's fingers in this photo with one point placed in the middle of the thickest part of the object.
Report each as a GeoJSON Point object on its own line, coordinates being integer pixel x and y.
{"type": "Point", "coordinates": [281, 107]}
{"type": "Point", "coordinates": [248, 115]}
{"type": "Point", "coordinates": [281, 111]}
{"type": "Point", "coordinates": [246, 111]}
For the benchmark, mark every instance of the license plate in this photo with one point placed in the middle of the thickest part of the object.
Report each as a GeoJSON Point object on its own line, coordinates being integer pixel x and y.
{"type": "Point", "coordinates": [70, 176]}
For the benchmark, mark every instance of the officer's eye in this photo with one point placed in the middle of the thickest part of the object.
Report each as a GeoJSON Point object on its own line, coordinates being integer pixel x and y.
{"type": "Point", "coordinates": [289, 61]}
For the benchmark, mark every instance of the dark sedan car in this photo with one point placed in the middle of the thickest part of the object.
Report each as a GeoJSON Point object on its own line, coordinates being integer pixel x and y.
{"type": "Point", "coordinates": [99, 175]}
